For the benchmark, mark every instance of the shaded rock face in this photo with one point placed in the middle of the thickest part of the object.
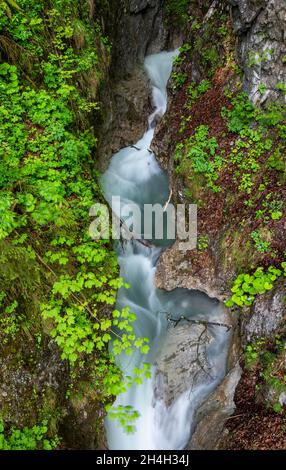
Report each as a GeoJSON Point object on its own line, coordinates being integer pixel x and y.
{"type": "Point", "coordinates": [23, 387]}
{"type": "Point", "coordinates": [34, 382]}
{"type": "Point", "coordinates": [211, 416]}
{"type": "Point", "coordinates": [78, 427]}
{"type": "Point", "coordinates": [136, 28]}
{"type": "Point", "coordinates": [213, 413]}
{"type": "Point", "coordinates": [266, 316]}
{"type": "Point", "coordinates": [260, 26]}
{"type": "Point", "coordinates": [125, 115]}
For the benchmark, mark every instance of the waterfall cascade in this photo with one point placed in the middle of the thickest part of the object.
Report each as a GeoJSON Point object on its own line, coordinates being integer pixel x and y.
{"type": "Point", "coordinates": [136, 177]}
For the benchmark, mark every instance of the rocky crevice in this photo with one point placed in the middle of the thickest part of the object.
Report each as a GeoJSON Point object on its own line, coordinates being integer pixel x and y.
{"type": "Point", "coordinates": [136, 28]}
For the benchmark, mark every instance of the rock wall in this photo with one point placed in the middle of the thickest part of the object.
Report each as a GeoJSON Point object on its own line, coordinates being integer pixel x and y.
{"type": "Point", "coordinates": [260, 27]}
{"type": "Point", "coordinates": [267, 316]}
{"type": "Point", "coordinates": [212, 415]}
{"type": "Point", "coordinates": [212, 272]}
{"type": "Point", "coordinates": [136, 28]}
{"type": "Point", "coordinates": [182, 362]}
{"type": "Point", "coordinates": [139, 27]}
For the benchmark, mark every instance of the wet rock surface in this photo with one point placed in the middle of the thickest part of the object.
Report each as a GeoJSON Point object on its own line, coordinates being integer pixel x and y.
{"type": "Point", "coordinates": [126, 114]}
{"type": "Point", "coordinates": [176, 269]}
{"type": "Point", "coordinates": [213, 413]}
{"type": "Point", "coordinates": [137, 29]}
{"type": "Point", "coordinates": [182, 363]}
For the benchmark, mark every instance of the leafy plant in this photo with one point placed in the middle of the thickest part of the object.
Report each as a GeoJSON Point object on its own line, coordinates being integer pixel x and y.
{"type": "Point", "coordinates": [268, 358]}
{"type": "Point", "coordinates": [242, 114]}
{"type": "Point", "coordinates": [125, 416]}
{"type": "Point", "coordinates": [203, 243]}
{"type": "Point", "coordinates": [179, 78]}
{"type": "Point", "coordinates": [257, 58]}
{"type": "Point", "coordinates": [200, 151]}
{"type": "Point", "coordinates": [52, 275]}
{"type": "Point", "coordinates": [184, 49]}
{"type": "Point", "coordinates": [276, 161]}
{"type": "Point", "coordinates": [196, 90]}
{"type": "Point", "coordinates": [177, 9]}
{"type": "Point", "coordinates": [280, 86]}
{"type": "Point", "coordinates": [260, 244]}
{"type": "Point", "coordinates": [252, 353]}
{"type": "Point", "coordinates": [262, 88]}
{"type": "Point", "coordinates": [247, 286]}
{"type": "Point", "coordinates": [27, 438]}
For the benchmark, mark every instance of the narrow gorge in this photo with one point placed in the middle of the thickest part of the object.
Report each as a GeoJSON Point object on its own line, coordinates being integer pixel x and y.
{"type": "Point", "coordinates": [182, 380]}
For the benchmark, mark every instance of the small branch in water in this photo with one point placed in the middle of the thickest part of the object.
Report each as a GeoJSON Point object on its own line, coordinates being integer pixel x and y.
{"type": "Point", "coordinates": [132, 236]}
{"type": "Point", "coordinates": [204, 332]}
{"type": "Point", "coordinates": [168, 202]}
{"type": "Point", "coordinates": [135, 147]}
{"type": "Point", "coordinates": [176, 321]}
{"type": "Point", "coordinates": [201, 358]}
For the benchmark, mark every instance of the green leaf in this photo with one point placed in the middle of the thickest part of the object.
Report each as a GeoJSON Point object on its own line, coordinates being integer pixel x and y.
{"type": "Point", "coordinates": [145, 349]}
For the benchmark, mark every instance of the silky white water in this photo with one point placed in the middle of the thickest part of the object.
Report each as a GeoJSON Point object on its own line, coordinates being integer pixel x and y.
{"type": "Point", "coordinates": [135, 176]}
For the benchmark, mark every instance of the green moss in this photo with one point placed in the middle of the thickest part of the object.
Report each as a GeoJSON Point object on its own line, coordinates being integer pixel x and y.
{"type": "Point", "coordinates": [269, 358]}
{"type": "Point", "coordinates": [235, 251]}
{"type": "Point", "coordinates": [177, 11]}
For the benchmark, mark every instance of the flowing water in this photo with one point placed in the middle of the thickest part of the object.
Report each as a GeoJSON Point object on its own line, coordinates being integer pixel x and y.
{"type": "Point", "coordinates": [135, 176]}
